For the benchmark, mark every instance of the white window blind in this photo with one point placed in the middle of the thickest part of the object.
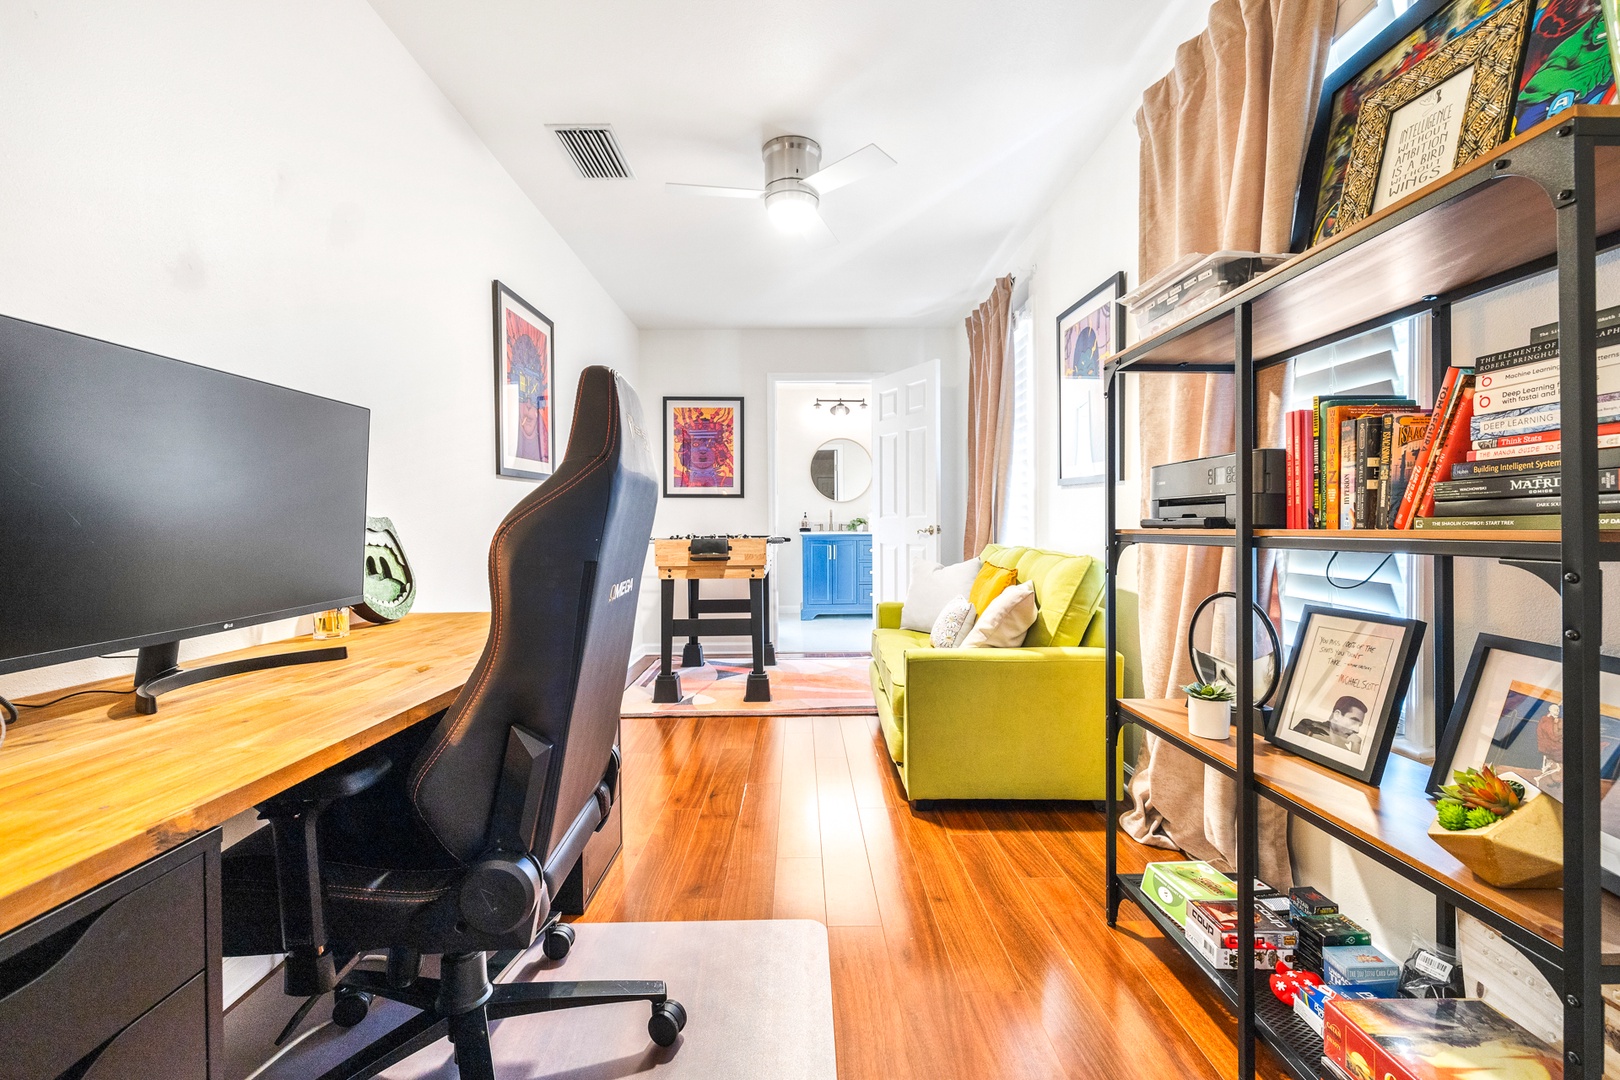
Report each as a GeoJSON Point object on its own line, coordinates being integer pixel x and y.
{"type": "Point", "coordinates": [1017, 524]}
{"type": "Point", "coordinates": [1383, 361]}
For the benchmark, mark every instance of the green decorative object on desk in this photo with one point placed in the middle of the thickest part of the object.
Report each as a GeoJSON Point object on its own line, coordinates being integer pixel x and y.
{"type": "Point", "coordinates": [856, 524]}
{"type": "Point", "coordinates": [390, 587]}
{"type": "Point", "coordinates": [1507, 836]}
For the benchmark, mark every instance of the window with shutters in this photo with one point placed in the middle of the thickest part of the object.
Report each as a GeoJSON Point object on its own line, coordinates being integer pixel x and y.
{"type": "Point", "coordinates": [1391, 360]}
{"type": "Point", "coordinates": [1017, 524]}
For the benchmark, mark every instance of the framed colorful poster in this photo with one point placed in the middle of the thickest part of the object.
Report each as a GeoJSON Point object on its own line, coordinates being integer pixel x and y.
{"type": "Point", "coordinates": [1342, 692]}
{"type": "Point", "coordinates": [703, 447]}
{"type": "Point", "coordinates": [1088, 332]}
{"type": "Point", "coordinates": [525, 347]}
{"type": "Point", "coordinates": [1567, 62]}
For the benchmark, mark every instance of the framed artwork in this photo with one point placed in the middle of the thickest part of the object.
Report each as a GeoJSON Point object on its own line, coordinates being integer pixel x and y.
{"type": "Point", "coordinates": [1442, 112]}
{"type": "Point", "coordinates": [1088, 332]}
{"type": "Point", "coordinates": [1342, 691]}
{"type": "Point", "coordinates": [1423, 31]}
{"type": "Point", "coordinates": [703, 447]}
{"type": "Point", "coordinates": [525, 348]}
{"type": "Point", "coordinates": [1510, 715]}
{"type": "Point", "coordinates": [1566, 62]}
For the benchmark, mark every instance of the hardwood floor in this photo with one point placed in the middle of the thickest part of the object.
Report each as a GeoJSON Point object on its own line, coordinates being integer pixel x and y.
{"type": "Point", "coordinates": [966, 942]}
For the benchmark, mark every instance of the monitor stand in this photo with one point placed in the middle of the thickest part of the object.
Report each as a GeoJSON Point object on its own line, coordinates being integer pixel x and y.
{"type": "Point", "coordinates": [158, 670]}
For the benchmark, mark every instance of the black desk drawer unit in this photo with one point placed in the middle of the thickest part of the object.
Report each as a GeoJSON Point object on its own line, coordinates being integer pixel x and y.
{"type": "Point", "coordinates": [123, 981]}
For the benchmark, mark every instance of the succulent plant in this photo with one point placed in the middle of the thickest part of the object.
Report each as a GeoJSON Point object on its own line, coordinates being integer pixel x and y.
{"type": "Point", "coordinates": [1453, 815]}
{"type": "Point", "coordinates": [1479, 817]}
{"type": "Point", "coordinates": [1483, 789]}
{"type": "Point", "coordinates": [1216, 691]}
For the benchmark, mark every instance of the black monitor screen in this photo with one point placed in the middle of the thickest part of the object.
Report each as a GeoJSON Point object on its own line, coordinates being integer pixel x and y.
{"type": "Point", "coordinates": [143, 499]}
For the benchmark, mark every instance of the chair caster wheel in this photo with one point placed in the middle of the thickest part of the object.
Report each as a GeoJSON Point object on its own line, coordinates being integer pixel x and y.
{"type": "Point", "coordinates": [668, 1018]}
{"type": "Point", "coordinates": [558, 940]}
{"type": "Point", "coordinates": [349, 1006]}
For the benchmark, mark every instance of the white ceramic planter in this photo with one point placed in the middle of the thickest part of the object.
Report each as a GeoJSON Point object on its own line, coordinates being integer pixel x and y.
{"type": "Point", "coordinates": [1209, 719]}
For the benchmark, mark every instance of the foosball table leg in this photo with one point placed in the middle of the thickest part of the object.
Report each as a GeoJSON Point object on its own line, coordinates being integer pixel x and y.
{"type": "Point", "coordinates": [667, 687]}
{"type": "Point", "coordinates": [692, 651]}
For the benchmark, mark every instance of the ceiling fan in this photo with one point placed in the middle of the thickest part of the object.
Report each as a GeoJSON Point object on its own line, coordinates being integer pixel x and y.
{"type": "Point", "coordinates": [795, 181]}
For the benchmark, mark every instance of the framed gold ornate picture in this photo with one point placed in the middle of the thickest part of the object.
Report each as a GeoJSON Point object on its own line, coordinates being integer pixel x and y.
{"type": "Point", "coordinates": [1439, 114]}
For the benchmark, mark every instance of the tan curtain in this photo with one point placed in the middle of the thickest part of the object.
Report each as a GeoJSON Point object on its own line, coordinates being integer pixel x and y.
{"type": "Point", "coordinates": [987, 330]}
{"type": "Point", "coordinates": [1222, 140]}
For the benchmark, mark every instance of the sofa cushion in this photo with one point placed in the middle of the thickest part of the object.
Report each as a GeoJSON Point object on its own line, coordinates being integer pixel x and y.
{"type": "Point", "coordinates": [989, 584]}
{"type": "Point", "coordinates": [889, 656]}
{"type": "Point", "coordinates": [1067, 591]}
{"type": "Point", "coordinates": [932, 587]}
{"type": "Point", "coordinates": [1005, 622]}
{"type": "Point", "coordinates": [953, 624]}
{"type": "Point", "coordinates": [1002, 555]}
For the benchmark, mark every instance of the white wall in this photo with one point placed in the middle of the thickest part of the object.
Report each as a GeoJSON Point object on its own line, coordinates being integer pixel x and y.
{"type": "Point", "coordinates": [799, 429]}
{"type": "Point", "coordinates": [743, 361]}
{"type": "Point", "coordinates": [275, 188]}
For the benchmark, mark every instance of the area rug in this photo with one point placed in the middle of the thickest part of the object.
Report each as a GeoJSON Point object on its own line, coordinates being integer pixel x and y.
{"type": "Point", "coordinates": [758, 998]}
{"type": "Point", "coordinates": [800, 686]}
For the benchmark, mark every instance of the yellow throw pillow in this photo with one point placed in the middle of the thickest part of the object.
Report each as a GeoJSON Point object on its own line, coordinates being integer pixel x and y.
{"type": "Point", "coordinates": [989, 584]}
{"type": "Point", "coordinates": [1006, 621]}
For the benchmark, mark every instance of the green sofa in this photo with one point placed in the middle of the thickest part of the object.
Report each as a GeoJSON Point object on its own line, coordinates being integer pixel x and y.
{"type": "Point", "coordinates": [1022, 723]}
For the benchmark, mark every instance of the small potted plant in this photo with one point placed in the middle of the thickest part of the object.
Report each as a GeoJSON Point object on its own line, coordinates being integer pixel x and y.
{"type": "Point", "coordinates": [1209, 709]}
{"type": "Point", "coordinates": [856, 524]}
{"type": "Point", "coordinates": [1509, 836]}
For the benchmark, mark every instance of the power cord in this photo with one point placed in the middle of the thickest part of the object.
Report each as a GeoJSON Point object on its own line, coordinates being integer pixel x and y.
{"type": "Point", "coordinates": [10, 718]}
{"type": "Point", "coordinates": [64, 697]}
{"type": "Point", "coordinates": [1328, 572]}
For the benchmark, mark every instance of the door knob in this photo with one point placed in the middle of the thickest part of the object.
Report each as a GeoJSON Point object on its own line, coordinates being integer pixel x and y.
{"type": "Point", "coordinates": [930, 531]}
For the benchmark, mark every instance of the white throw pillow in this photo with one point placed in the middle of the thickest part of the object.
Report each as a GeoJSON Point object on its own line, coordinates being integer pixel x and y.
{"type": "Point", "coordinates": [932, 587]}
{"type": "Point", "coordinates": [953, 623]}
{"type": "Point", "coordinates": [1006, 621]}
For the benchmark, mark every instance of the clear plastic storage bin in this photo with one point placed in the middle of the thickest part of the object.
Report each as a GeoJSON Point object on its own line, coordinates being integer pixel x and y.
{"type": "Point", "coordinates": [1187, 287]}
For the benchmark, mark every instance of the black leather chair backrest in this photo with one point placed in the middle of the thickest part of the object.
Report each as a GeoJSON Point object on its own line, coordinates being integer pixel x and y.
{"type": "Point", "coordinates": [565, 572]}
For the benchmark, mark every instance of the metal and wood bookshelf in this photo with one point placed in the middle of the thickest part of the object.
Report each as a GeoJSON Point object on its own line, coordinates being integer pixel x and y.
{"type": "Point", "coordinates": [1548, 200]}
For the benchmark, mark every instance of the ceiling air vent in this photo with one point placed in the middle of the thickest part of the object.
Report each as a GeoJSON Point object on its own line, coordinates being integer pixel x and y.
{"type": "Point", "coordinates": [594, 150]}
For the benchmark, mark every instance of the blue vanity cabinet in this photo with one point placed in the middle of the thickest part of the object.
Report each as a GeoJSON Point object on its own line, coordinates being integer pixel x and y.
{"type": "Point", "coordinates": [837, 574]}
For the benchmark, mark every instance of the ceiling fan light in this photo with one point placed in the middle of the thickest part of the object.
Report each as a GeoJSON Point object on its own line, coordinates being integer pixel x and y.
{"type": "Point", "coordinates": [792, 211]}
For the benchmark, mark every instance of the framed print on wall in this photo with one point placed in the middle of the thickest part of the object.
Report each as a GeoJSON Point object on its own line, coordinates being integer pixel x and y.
{"type": "Point", "coordinates": [525, 347]}
{"type": "Point", "coordinates": [1088, 332]}
{"type": "Point", "coordinates": [703, 447]}
{"type": "Point", "coordinates": [1341, 694]}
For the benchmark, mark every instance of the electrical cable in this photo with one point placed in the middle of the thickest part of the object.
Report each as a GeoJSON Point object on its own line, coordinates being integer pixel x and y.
{"type": "Point", "coordinates": [64, 697]}
{"type": "Point", "coordinates": [10, 718]}
{"type": "Point", "coordinates": [1328, 572]}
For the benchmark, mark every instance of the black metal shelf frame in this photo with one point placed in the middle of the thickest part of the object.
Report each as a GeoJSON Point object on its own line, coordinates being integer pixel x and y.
{"type": "Point", "coordinates": [1561, 161]}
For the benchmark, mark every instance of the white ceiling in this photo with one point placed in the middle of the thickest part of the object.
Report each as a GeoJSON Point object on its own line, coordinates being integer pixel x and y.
{"type": "Point", "coordinates": [988, 106]}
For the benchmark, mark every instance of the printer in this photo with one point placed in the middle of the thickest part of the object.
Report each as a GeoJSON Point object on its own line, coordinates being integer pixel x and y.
{"type": "Point", "coordinates": [1202, 493]}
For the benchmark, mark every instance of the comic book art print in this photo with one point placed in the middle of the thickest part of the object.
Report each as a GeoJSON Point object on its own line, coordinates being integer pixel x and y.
{"type": "Point", "coordinates": [1451, 21]}
{"type": "Point", "coordinates": [1088, 332]}
{"type": "Point", "coordinates": [1566, 62]}
{"type": "Point", "coordinates": [703, 447]}
{"type": "Point", "coordinates": [525, 379]}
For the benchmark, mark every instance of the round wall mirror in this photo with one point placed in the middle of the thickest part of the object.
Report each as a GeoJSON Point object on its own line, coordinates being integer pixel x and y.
{"type": "Point", "coordinates": [841, 469]}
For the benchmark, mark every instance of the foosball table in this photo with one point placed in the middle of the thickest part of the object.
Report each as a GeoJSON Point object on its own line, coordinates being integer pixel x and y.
{"type": "Point", "coordinates": [695, 559]}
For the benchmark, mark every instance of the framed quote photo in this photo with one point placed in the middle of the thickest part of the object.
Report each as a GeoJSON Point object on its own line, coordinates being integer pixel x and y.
{"type": "Point", "coordinates": [1510, 715]}
{"type": "Point", "coordinates": [703, 447]}
{"type": "Point", "coordinates": [1341, 694]}
{"type": "Point", "coordinates": [1088, 332]}
{"type": "Point", "coordinates": [1421, 36]}
{"type": "Point", "coordinates": [525, 346]}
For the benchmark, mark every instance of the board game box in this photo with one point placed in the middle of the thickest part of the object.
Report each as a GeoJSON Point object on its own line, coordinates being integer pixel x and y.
{"type": "Point", "coordinates": [1432, 1039]}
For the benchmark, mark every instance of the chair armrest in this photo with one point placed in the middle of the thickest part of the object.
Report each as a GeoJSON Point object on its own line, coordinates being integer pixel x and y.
{"type": "Point", "coordinates": [888, 614]}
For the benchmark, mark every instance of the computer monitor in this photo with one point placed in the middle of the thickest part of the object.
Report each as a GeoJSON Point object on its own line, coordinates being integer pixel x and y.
{"type": "Point", "coordinates": [144, 500]}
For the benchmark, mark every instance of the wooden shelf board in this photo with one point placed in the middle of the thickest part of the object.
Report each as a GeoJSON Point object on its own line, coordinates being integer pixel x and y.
{"type": "Point", "coordinates": [1476, 543]}
{"type": "Point", "coordinates": [1469, 226]}
{"type": "Point", "coordinates": [89, 788]}
{"type": "Point", "coordinates": [1393, 817]}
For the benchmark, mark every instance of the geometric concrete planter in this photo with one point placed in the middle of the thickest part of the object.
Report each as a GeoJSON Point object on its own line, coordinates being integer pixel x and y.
{"type": "Point", "coordinates": [1524, 850]}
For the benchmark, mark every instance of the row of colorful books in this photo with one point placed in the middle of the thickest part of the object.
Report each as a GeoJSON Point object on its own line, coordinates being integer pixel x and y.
{"type": "Point", "coordinates": [1487, 456]}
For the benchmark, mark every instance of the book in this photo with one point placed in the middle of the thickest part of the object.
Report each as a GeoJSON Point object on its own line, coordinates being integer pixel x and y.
{"type": "Point", "coordinates": [1606, 520]}
{"type": "Point", "coordinates": [1605, 442]}
{"type": "Point", "coordinates": [1344, 494]}
{"type": "Point", "coordinates": [1433, 1039]}
{"type": "Point", "coordinates": [1534, 353]}
{"type": "Point", "coordinates": [1513, 507]}
{"type": "Point", "coordinates": [1606, 317]}
{"type": "Point", "coordinates": [1443, 403]}
{"type": "Point", "coordinates": [1404, 441]}
{"type": "Point", "coordinates": [1369, 450]}
{"type": "Point", "coordinates": [1291, 468]}
{"type": "Point", "coordinates": [1448, 444]}
{"type": "Point", "coordinates": [1325, 472]}
{"type": "Point", "coordinates": [1608, 427]}
{"type": "Point", "coordinates": [1514, 422]}
{"type": "Point", "coordinates": [1504, 395]}
{"type": "Point", "coordinates": [1514, 485]}
{"type": "Point", "coordinates": [1607, 459]}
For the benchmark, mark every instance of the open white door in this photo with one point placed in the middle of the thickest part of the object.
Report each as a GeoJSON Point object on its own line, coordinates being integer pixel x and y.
{"type": "Point", "coordinates": [905, 447]}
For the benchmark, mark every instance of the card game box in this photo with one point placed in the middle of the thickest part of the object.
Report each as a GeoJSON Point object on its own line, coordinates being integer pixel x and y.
{"type": "Point", "coordinates": [1432, 1039]}
{"type": "Point", "coordinates": [1212, 929]}
{"type": "Point", "coordinates": [1171, 884]}
{"type": "Point", "coordinates": [1304, 900]}
{"type": "Point", "coordinates": [1360, 967]}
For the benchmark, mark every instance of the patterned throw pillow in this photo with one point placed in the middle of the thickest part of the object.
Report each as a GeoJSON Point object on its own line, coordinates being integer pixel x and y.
{"type": "Point", "coordinates": [953, 623]}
